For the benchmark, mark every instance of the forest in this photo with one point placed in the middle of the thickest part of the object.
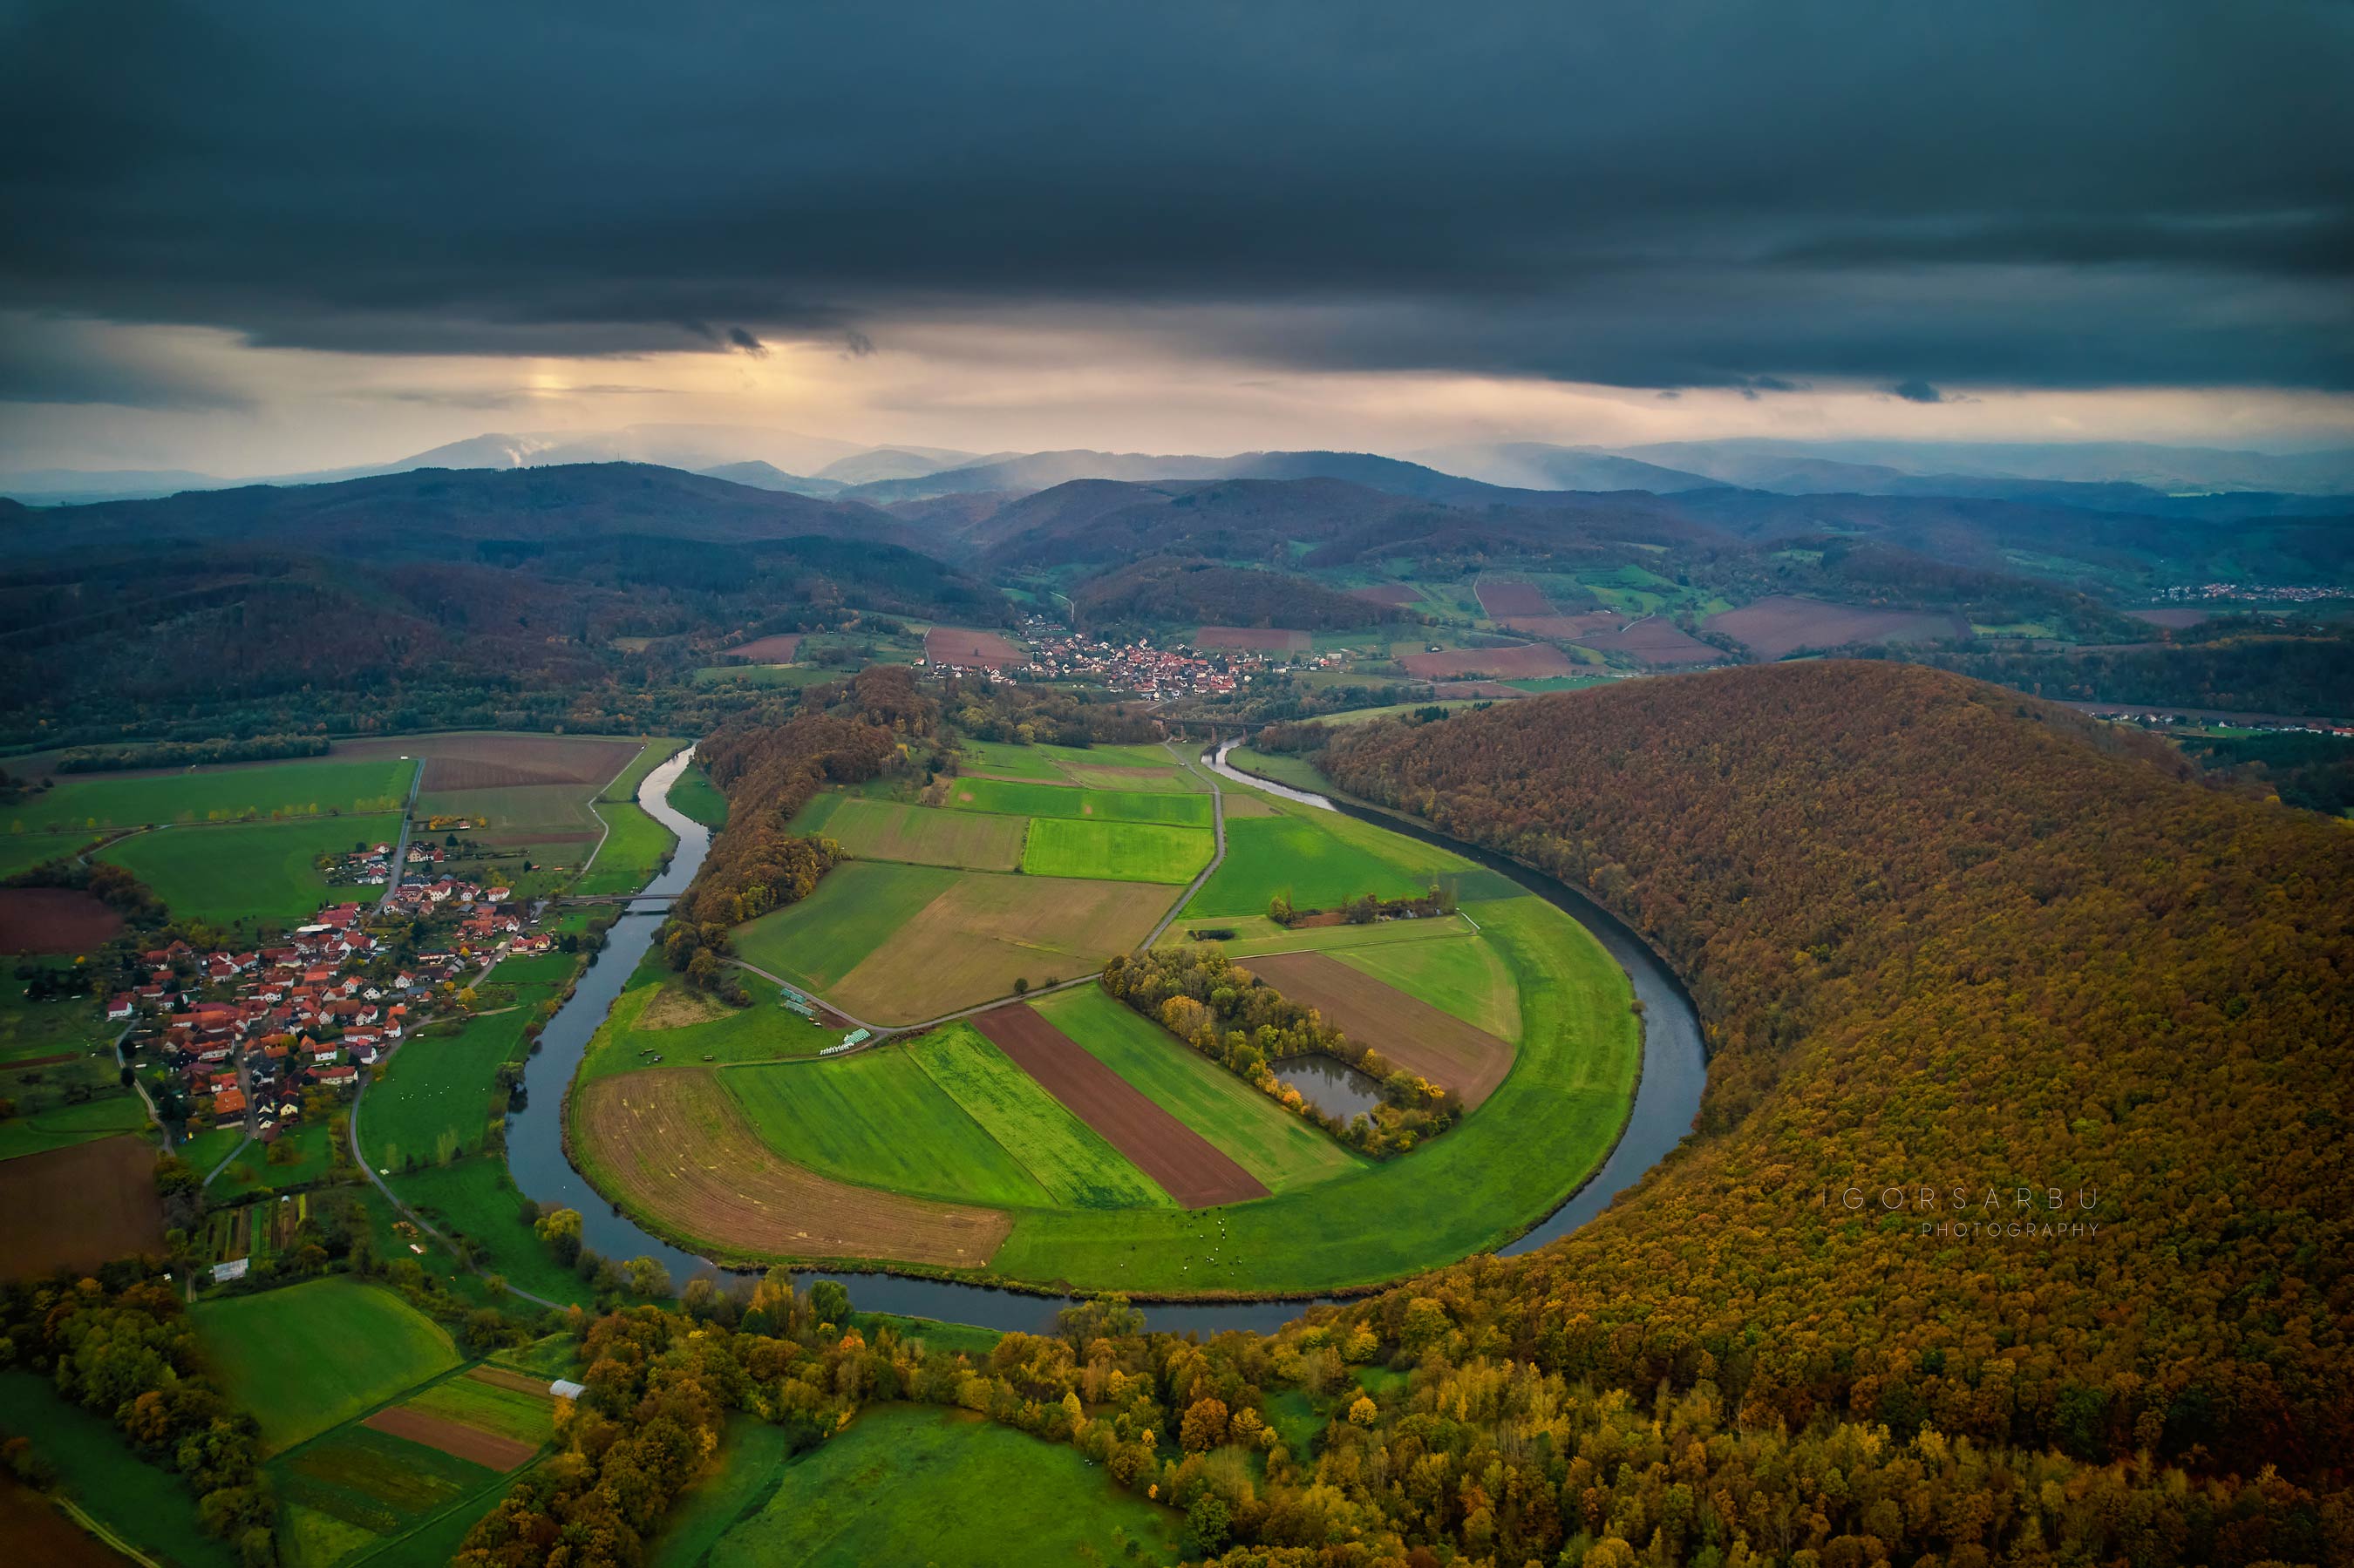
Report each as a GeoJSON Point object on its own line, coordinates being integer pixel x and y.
{"type": "Point", "coordinates": [1956, 951]}
{"type": "Point", "coordinates": [1204, 593]}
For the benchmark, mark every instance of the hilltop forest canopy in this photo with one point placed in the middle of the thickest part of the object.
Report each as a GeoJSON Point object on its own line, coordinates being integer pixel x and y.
{"type": "Point", "coordinates": [424, 599]}
{"type": "Point", "coordinates": [1204, 593]}
{"type": "Point", "coordinates": [1943, 937]}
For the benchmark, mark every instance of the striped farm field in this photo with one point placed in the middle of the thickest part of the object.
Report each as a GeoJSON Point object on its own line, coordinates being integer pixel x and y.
{"type": "Point", "coordinates": [1456, 974]}
{"type": "Point", "coordinates": [886, 830]}
{"type": "Point", "coordinates": [1071, 1161]}
{"type": "Point", "coordinates": [677, 1151]}
{"type": "Point", "coordinates": [1412, 1033]}
{"type": "Point", "coordinates": [236, 792]}
{"type": "Point", "coordinates": [1013, 798]}
{"type": "Point", "coordinates": [878, 1119]}
{"type": "Point", "coordinates": [518, 1415]}
{"type": "Point", "coordinates": [1117, 851]}
{"type": "Point", "coordinates": [1277, 1148]}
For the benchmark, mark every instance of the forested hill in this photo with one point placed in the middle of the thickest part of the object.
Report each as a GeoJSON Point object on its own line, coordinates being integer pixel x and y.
{"type": "Point", "coordinates": [1941, 936]}
{"type": "Point", "coordinates": [1208, 594]}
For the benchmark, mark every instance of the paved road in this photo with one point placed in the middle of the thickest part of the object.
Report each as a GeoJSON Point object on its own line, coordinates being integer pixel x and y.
{"type": "Point", "coordinates": [400, 862]}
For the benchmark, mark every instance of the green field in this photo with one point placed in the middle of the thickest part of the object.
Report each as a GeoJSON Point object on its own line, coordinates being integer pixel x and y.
{"type": "Point", "coordinates": [1560, 684]}
{"type": "Point", "coordinates": [438, 1095]}
{"type": "Point", "coordinates": [635, 848]}
{"type": "Point", "coordinates": [1283, 768]}
{"type": "Point", "coordinates": [658, 1015]}
{"type": "Point", "coordinates": [1549, 1123]}
{"type": "Point", "coordinates": [1115, 852]}
{"type": "Point", "coordinates": [510, 1412]}
{"type": "Point", "coordinates": [877, 1119]}
{"type": "Point", "coordinates": [1070, 1159]}
{"type": "Point", "coordinates": [259, 871]}
{"type": "Point", "coordinates": [752, 1454]}
{"type": "Point", "coordinates": [853, 911]}
{"type": "Point", "coordinates": [314, 1355]}
{"type": "Point", "coordinates": [1459, 975]}
{"type": "Point", "coordinates": [478, 1200]}
{"type": "Point", "coordinates": [22, 852]}
{"type": "Point", "coordinates": [1321, 860]}
{"type": "Point", "coordinates": [1006, 799]}
{"type": "Point", "coordinates": [697, 798]}
{"type": "Point", "coordinates": [146, 1504]}
{"type": "Point", "coordinates": [911, 1484]}
{"type": "Point", "coordinates": [1147, 768]}
{"type": "Point", "coordinates": [57, 1125]}
{"type": "Point", "coordinates": [1279, 1149]}
{"type": "Point", "coordinates": [227, 794]}
{"type": "Point", "coordinates": [886, 829]}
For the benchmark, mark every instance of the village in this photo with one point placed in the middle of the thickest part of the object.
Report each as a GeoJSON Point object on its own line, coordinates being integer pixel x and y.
{"type": "Point", "coordinates": [260, 1039]}
{"type": "Point", "coordinates": [1139, 667]}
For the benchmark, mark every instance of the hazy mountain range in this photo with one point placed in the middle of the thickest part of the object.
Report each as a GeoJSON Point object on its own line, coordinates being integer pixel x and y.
{"type": "Point", "coordinates": [2105, 475]}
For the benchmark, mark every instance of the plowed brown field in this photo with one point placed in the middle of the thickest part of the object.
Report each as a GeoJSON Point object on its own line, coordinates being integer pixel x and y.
{"type": "Point", "coordinates": [1654, 642]}
{"type": "Point", "coordinates": [515, 1382]}
{"type": "Point", "coordinates": [963, 646]}
{"type": "Point", "coordinates": [777, 649]}
{"type": "Point", "coordinates": [1781, 624]}
{"type": "Point", "coordinates": [464, 761]}
{"type": "Point", "coordinates": [1408, 1029]}
{"type": "Point", "coordinates": [79, 1206]}
{"type": "Point", "coordinates": [1525, 660]}
{"type": "Point", "coordinates": [672, 1143]}
{"type": "Point", "coordinates": [1500, 598]}
{"type": "Point", "coordinates": [486, 1448]}
{"type": "Point", "coordinates": [1186, 1165]}
{"type": "Point", "coordinates": [1387, 593]}
{"type": "Point", "coordinates": [53, 920]}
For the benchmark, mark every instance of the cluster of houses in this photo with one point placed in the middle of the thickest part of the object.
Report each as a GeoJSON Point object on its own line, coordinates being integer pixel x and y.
{"type": "Point", "coordinates": [246, 1034]}
{"type": "Point", "coordinates": [371, 865]}
{"type": "Point", "coordinates": [1140, 667]}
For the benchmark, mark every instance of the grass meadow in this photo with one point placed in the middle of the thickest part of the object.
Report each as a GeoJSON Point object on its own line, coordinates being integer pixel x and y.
{"type": "Point", "coordinates": [1005, 798]}
{"type": "Point", "coordinates": [147, 1505]}
{"type": "Point", "coordinates": [314, 1355]}
{"type": "Point", "coordinates": [1115, 852]}
{"type": "Point", "coordinates": [477, 1199]}
{"type": "Point", "coordinates": [438, 1094]}
{"type": "Point", "coordinates": [923, 835]}
{"type": "Point", "coordinates": [270, 789]}
{"type": "Point", "coordinates": [635, 846]}
{"type": "Point", "coordinates": [697, 798]}
{"type": "Point", "coordinates": [248, 871]}
{"type": "Point", "coordinates": [916, 1483]}
{"type": "Point", "coordinates": [878, 1119]}
{"type": "Point", "coordinates": [1310, 857]}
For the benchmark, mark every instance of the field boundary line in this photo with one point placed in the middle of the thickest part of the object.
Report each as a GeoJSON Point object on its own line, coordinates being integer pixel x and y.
{"type": "Point", "coordinates": [82, 1517]}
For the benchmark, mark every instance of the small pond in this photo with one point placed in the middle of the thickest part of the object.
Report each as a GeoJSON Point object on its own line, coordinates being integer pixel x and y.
{"type": "Point", "coordinates": [1333, 1086]}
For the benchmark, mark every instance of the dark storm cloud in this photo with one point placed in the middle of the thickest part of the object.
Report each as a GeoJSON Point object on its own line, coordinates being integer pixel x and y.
{"type": "Point", "coordinates": [1917, 391]}
{"type": "Point", "coordinates": [1653, 194]}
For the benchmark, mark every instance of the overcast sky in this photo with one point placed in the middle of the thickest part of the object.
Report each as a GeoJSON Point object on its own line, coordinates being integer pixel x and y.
{"type": "Point", "coordinates": [262, 236]}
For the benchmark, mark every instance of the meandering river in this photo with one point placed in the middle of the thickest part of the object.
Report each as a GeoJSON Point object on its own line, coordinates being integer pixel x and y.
{"type": "Point", "coordinates": [1674, 1071]}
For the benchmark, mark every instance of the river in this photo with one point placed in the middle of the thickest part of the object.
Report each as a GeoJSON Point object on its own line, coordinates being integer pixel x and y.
{"type": "Point", "coordinates": [1675, 1070]}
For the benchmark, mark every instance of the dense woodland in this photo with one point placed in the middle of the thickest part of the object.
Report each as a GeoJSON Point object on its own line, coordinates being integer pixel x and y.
{"type": "Point", "coordinates": [1943, 937]}
{"type": "Point", "coordinates": [2232, 668]}
{"type": "Point", "coordinates": [1204, 593]}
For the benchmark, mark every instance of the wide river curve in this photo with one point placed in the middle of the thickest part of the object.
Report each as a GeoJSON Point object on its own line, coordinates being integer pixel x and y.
{"type": "Point", "coordinates": [1675, 1070]}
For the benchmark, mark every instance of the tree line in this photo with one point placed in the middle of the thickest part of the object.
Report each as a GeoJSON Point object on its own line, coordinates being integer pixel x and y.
{"type": "Point", "coordinates": [1238, 1021]}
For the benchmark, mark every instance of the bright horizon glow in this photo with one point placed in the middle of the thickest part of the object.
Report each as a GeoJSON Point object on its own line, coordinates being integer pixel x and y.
{"type": "Point", "coordinates": [250, 411]}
